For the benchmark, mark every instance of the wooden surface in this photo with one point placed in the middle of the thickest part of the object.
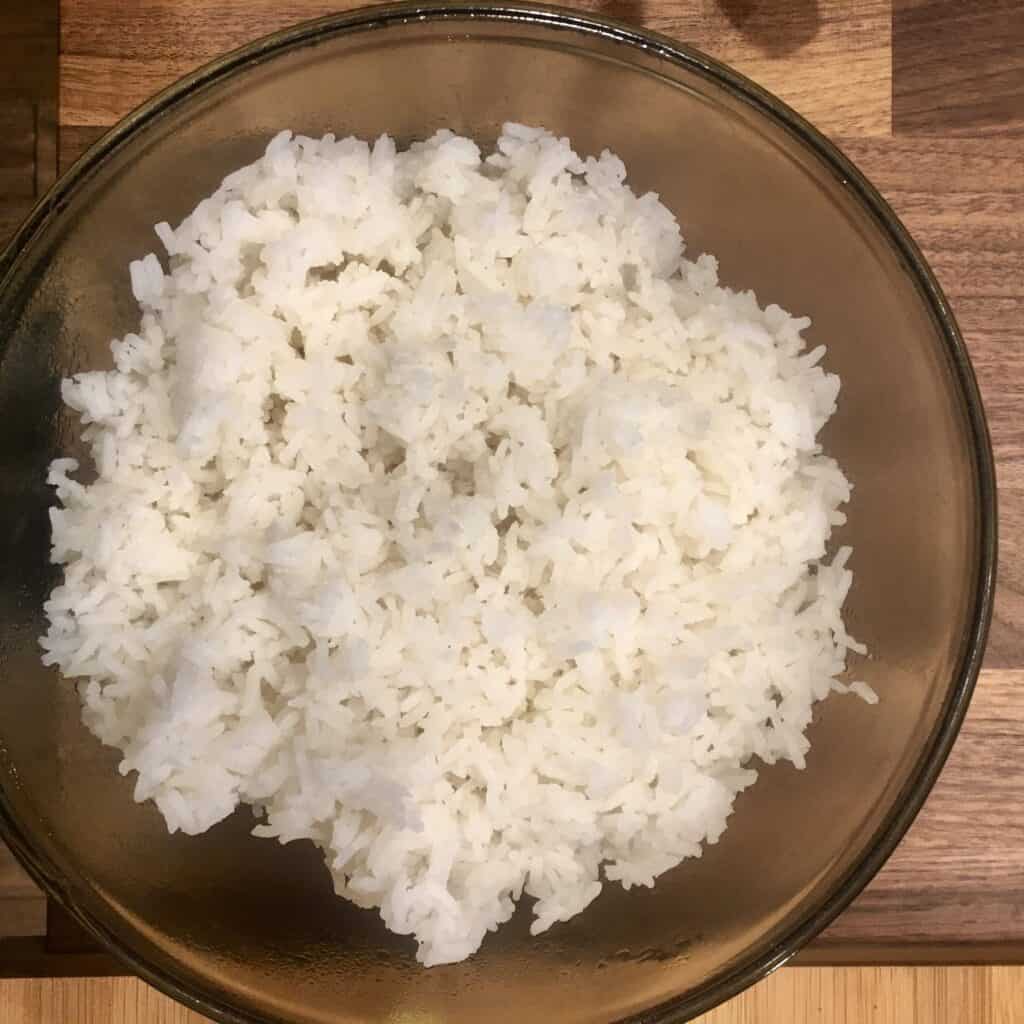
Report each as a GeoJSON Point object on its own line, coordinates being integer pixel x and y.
{"type": "Point", "coordinates": [28, 107]}
{"type": "Point", "coordinates": [927, 96]}
{"type": "Point", "coordinates": [116, 54]}
{"type": "Point", "coordinates": [959, 67]}
{"type": "Point", "coordinates": [796, 995]}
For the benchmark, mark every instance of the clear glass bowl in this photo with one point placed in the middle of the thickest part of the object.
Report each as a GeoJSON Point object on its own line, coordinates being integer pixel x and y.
{"type": "Point", "coordinates": [247, 930]}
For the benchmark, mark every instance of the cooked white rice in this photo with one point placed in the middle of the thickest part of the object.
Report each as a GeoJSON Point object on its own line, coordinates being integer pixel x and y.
{"type": "Point", "coordinates": [448, 516]}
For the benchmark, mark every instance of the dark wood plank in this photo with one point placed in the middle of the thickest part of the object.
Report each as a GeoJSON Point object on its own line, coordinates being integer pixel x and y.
{"type": "Point", "coordinates": [17, 147]}
{"type": "Point", "coordinates": [12, 212]}
{"type": "Point", "coordinates": [28, 110]}
{"type": "Point", "coordinates": [115, 55]}
{"type": "Point", "coordinates": [958, 67]}
{"type": "Point", "coordinates": [27, 46]}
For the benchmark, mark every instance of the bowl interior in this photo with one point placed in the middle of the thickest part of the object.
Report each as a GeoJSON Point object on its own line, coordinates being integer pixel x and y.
{"type": "Point", "coordinates": [252, 925]}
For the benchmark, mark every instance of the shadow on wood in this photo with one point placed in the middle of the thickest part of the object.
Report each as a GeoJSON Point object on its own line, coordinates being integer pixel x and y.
{"type": "Point", "coordinates": [776, 29]}
{"type": "Point", "coordinates": [631, 11]}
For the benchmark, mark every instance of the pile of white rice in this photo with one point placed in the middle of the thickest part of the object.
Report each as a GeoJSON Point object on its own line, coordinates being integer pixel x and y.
{"type": "Point", "coordinates": [448, 516]}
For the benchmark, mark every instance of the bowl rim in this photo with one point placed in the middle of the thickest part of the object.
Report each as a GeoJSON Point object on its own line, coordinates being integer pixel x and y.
{"type": "Point", "coordinates": [731, 980]}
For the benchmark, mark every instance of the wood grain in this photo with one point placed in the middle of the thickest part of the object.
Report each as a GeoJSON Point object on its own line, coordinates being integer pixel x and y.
{"type": "Point", "coordinates": [864, 995]}
{"type": "Point", "coordinates": [959, 71]}
{"type": "Point", "coordinates": [831, 59]}
{"type": "Point", "coordinates": [18, 149]}
{"type": "Point", "coordinates": [12, 213]}
{"type": "Point", "coordinates": [27, 47]}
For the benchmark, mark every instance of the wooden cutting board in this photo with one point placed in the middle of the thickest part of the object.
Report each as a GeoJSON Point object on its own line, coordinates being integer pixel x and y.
{"type": "Point", "coordinates": [927, 96]}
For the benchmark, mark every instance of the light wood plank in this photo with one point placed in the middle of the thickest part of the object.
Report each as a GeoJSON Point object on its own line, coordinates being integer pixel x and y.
{"type": "Point", "coordinates": [830, 59]}
{"type": "Point", "coordinates": [820, 995]}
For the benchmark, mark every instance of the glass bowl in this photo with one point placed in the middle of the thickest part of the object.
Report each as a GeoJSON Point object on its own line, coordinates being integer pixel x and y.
{"type": "Point", "coordinates": [247, 930]}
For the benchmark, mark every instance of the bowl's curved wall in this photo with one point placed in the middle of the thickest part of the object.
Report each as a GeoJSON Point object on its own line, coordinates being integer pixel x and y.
{"type": "Point", "coordinates": [252, 925]}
